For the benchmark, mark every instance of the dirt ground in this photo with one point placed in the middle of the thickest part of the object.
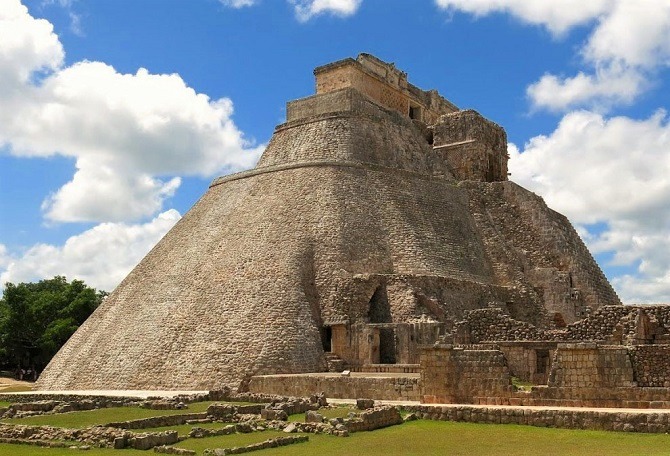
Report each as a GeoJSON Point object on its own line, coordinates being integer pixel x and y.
{"type": "Point", "coordinates": [8, 383]}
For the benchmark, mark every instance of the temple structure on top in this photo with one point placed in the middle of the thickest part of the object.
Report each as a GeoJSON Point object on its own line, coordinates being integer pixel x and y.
{"type": "Point", "coordinates": [378, 219]}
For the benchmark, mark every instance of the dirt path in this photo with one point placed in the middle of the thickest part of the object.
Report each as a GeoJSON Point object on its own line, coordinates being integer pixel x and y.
{"type": "Point", "coordinates": [9, 383]}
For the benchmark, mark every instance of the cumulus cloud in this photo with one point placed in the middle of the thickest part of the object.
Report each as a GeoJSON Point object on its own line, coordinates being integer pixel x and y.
{"type": "Point", "coordinates": [101, 256]}
{"type": "Point", "coordinates": [629, 40]}
{"type": "Point", "coordinates": [603, 89]}
{"type": "Point", "coordinates": [128, 133]}
{"type": "Point", "coordinates": [557, 16]}
{"type": "Point", "coordinates": [612, 173]}
{"type": "Point", "coordinates": [306, 9]}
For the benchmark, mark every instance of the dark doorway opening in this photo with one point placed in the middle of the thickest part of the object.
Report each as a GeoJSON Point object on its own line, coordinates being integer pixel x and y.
{"type": "Point", "coordinates": [327, 338]}
{"type": "Point", "coordinates": [379, 310]}
{"type": "Point", "coordinates": [387, 346]}
{"type": "Point", "coordinates": [559, 321]}
{"type": "Point", "coordinates": [541, 361]}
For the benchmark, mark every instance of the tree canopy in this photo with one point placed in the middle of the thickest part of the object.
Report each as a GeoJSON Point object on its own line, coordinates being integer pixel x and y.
{"type": "Point", "coordinates": [36, 319]}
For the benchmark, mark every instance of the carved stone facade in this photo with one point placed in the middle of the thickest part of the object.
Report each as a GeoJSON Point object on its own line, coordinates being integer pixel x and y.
{"type": "Point", "coordinates": [378, 216]}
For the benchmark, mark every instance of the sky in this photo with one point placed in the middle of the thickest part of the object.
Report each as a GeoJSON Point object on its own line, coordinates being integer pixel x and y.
{"type": "Point", "coordinates": [115, 115]}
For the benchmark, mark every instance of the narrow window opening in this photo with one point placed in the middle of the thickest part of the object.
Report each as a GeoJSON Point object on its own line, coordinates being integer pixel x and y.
{"type": "Point", "coordinates": [414, 112]}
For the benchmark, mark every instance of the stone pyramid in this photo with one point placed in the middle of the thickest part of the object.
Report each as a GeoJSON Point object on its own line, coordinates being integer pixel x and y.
{"type": "Point", "coordinates": [378, 215]}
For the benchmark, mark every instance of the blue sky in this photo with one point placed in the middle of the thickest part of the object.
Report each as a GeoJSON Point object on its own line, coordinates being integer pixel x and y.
{"type": "Point", "coordinates": [116, 114]}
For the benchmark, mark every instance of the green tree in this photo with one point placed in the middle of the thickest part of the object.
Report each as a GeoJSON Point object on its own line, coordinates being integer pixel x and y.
{"type": "Point", "coordinates": [36, 319]}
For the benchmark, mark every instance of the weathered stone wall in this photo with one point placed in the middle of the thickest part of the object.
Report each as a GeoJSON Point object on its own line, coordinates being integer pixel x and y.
{"type": "Point", "coordinates": [351, 74]}
{"type": "Point", "coordinates": [582, 375]}
{"type": "Point", "coordinates": [374, 418]}
{"type": "Point", "coordinates": [493, 324]}
{"type": "Point", "coordinates": [384, 84]}
{"type": "Point", "coordinates": [350, 127]}
{"type": "Point", "coordinates": [564, 418]}
{"type": "Point", "coordinates": [473, 147]}
{"type": "Point", "coordinates": [588, 365]}
{"type": "Point", "coordinates": [523, 235]}
{"type": "Point", "coordinates": [628, 325]}
{"type": "Point", "coordinates": [405, 388]}
{"type": "Point", "coordinates": [529, 361]}
{"type": "Point", "coordinates": [454, 375]}
{"type": "Point", "coordinates": [651, 365]}
{"type": "Point", "coordinates": [619, 397]}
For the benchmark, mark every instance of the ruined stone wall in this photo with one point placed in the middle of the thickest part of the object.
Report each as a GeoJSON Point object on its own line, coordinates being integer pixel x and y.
{"type": "Point", "coordinates": [651, 365]}
{"type": "Point", "coordinates": [569, 419]}
{"type": "Point", "coordinates": [342, 100]}
{"type": "Point", "coordinates": [491, 325]}
{"type": "Point", "coordinates": [404, 388]}
{"type": "Point", "coordinates": [383, 83]}
{"type": "Point", "coordinates": [612, 324]}
{"type": "Point", "coordinates": [473, 147]}
{"type": "Point", "coordinates": [529, 361]}
{"type": "Point", "coordinates": [615, 397]}
{"type": "Point", "coordinates": [600, 325]}
{"type": "Point", "coordinates": [591, 366]}
{"type": "Point", "coordinates": [346, 76]}
{"type": "Point", "coordinates": [582, 375]}
{"type": "Point", "coordinates": [454, 375]}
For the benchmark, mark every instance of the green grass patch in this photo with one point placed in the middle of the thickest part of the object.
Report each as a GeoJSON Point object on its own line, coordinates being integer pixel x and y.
{"type": "Point", "coordinates": [184, 429]}
{"type": "Point", "coordinates": [413, 438]}
{"type": "Point", "coordinates": [521, 384]}
{"type": "Point", "coordinates": [236, 440]}
{"type": "Point", "coordinates": [102, 416]}
{"type": "Point", "coordinates": [465, 439]}
{"type": "Point", "coordinates": [328, 413]}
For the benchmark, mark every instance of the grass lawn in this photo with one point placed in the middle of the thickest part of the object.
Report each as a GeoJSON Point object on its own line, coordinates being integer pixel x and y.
{"type": "Point", "coordinates": [413, 438]}
{"type": "Point", "coordinates": [102, 416]}
{"type": "Point", "coordinates": [455, 439]}
{"type": "Point", "coordinates": [24, 450]}
{"type": "Point", "coordinates": [337, 412]}
{"type": "Point", "coordinates": [184, 429]}
{"type": "Point", "coordinates": [233, 440]}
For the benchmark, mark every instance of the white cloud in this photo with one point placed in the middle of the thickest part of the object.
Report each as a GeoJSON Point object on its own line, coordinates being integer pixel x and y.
{"type": "Point", "coordinates": [557, 16]}
{"type": "Point", "coordinates": [238, 3]}
{"type": "Point", "coordinates": [101, 256]}
{"type": "Point", "coordinates": [26, 45]}
{"type": "Point", "coordinates": [629, 40]}
{"type": "Point", "coordinates": [634, 32]}
{"type": "Point", "coordinates": [603, 89]}
{"type": "Point", "coordinates": [306, 9]}
{"type": "Point", "coordinates": [127, 132]}
{"type": "Point", "coordinates": [614, 172]}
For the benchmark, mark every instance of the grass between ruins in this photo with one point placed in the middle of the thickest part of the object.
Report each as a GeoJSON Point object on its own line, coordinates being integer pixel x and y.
{"type": "Point", "coordinates": [416, 437]}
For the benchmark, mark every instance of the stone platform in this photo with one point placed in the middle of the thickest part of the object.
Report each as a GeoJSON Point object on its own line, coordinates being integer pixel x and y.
{"type": "Point", "coordinates": [378, 385]}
